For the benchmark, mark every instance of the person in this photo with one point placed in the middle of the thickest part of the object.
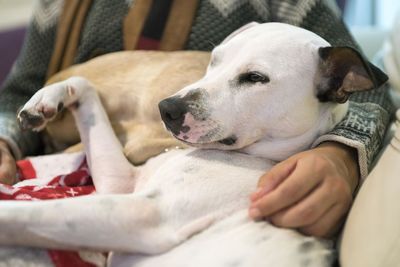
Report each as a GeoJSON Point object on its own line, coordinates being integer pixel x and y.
{"type": "Point", "coordinates": [311, 191]}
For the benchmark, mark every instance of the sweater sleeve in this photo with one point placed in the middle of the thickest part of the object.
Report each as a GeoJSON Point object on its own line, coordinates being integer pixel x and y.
{"type": "Point", "coordinates": [27, 75]}
{"type": "Point", "coordinates": [365, 124]}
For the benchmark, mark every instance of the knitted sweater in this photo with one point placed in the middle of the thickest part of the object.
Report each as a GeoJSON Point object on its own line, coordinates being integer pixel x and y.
{"type": "Point", "coordinates": [103, 32]}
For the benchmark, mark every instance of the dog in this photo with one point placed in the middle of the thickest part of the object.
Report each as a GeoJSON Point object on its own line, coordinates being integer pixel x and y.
{"type": "Point", "coordinates": [268, 92]}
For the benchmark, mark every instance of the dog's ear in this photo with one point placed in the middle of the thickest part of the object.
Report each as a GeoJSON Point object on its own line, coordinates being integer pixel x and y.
{"type": "Point", "coordinates": [241, 29]}
{"type": "Point", "coordinates": [343, 71]}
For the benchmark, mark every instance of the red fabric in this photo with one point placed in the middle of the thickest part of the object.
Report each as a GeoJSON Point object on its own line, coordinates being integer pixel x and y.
{"type": "Point", "coordinates": [73, 184]}
{"type": "Point", "coordinates": [145, 43]}
{"type": "Point", "coordinates": [26, 169]}
{"type": "Point", "coordinates": [67, 259]}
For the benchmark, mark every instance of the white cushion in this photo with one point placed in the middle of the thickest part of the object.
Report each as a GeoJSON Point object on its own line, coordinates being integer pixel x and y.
{"type": "Point", "coordinates": [371, 236]}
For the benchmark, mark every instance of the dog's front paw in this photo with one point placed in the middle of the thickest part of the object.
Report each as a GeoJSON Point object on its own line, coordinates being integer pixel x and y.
{"type": "Point", "coordinates": [45, 105]}
{"type": "Point", "coordinates": [36, 117]}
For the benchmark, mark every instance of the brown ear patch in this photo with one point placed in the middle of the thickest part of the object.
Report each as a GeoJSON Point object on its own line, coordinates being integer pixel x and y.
{"type": "Point", "coordinates": [343, 71]}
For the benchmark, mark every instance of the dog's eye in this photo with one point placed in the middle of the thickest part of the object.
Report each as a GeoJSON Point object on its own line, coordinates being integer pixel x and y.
{"type": "Point", "coordinates": [253, 77]}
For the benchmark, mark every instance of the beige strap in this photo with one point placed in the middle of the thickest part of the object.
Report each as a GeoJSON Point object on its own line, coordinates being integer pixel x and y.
{"type": "Point", "coordinates": [63, 31]}
{"type": "Point", "coordinates": [75, 34]}
{"type": "Point", "coordinates": [68, 34]}
{"type": "Point", "coordinates": [134, 22]}
{"type": "Point", "coordinates": [179, 24]}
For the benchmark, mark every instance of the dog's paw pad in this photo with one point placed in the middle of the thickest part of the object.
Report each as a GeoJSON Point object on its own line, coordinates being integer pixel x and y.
{"type": "Point", "coordinates": [48, 112]}
{"type": "Point", "coordinates": [28, 120]}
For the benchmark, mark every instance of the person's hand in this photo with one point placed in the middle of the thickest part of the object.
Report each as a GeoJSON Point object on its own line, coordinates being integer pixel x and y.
{"type": "Point", "coordinates": [310, 191]}
{"type": "Point", "coordinates": [8, 168]}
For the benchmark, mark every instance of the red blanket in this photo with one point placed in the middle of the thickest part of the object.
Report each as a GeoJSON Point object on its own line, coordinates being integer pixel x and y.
{"type": "Point", "coordinates": [50, 177]}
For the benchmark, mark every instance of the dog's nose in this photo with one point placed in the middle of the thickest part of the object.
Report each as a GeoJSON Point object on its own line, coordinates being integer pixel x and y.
{"type": "Point", "coordinates": [173, 112]}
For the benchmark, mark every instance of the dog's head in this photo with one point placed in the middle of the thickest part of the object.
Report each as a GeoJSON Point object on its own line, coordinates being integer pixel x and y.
{"type": "Point", "coordinates": [268, 84]}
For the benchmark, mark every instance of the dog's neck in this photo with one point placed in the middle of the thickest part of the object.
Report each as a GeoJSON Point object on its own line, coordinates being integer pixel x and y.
{"type": "Point", "coordinates": [280, 149]}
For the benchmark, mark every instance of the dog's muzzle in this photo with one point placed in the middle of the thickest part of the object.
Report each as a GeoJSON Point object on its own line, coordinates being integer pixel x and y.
{"type": "Point", "coordinates": [173, 110]}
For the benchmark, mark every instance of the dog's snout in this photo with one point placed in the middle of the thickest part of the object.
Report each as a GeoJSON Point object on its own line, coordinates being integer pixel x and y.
{"type": "Point", "coordinates": [173, 112]}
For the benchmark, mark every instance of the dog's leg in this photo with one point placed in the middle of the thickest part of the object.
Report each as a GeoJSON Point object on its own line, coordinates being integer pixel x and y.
{"type": "Point", "coordinates": [111, 171]}
{"type": "Point", "coordinates": [125, 223]}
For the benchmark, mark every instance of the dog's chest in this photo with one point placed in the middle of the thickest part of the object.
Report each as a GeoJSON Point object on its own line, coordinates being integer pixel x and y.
{"type": "Point", "coordinates": [195, 182]}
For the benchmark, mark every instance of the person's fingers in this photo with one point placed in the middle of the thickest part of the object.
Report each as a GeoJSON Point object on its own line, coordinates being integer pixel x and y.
{"type": "Point", "coordinates": [7, 166]}
{"type": "Point", "coordinates": [8, 173]}
{"type": "Point", "coordinates": [273, 178]}
{"type": "Point", "coordinates": [7, 176]}
{"type": "Point", "coordinates": [307, 211]}
{"type": "Point", "coordinates": [300, 183]}
{"type": "Point", "coordinates": [312, 195]}
{"type": "Point", "coordinates": [328, 225]}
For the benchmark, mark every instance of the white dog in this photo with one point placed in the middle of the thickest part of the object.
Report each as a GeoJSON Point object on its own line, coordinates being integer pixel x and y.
{"type": "Point", "coordinates": [269, 91]}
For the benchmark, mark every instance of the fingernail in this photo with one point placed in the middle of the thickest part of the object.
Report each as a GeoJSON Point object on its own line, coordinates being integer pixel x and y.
{"type": "Point", "coordinates": [261, 191]}
{"type": "Point", "coordinates": [256, 194]}
{"type": "Point", "coordinates": [254, 213]}
{"type": "Point", "coordinates": [268, 188]}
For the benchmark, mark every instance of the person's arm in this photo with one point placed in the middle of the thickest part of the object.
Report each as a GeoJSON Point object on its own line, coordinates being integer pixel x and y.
{"type": "Point", "coordinates": [26, 77]}
{"type": "Point", "coordinates": [313, 190]}
{"type": "Point", "coordinates": [8, 167]}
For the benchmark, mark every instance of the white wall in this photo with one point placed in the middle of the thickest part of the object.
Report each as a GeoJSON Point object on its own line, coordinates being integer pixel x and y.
{"type": "Point", "coordinates": [376, 13]}
{"type": "Point", "coordinates": [386, 11]}
{"type": "Point", "coordinates": [15, 13]}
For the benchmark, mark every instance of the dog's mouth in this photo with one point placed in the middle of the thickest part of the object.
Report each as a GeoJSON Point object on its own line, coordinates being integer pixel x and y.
{"type": "Point", "coordinates": [228, 141]}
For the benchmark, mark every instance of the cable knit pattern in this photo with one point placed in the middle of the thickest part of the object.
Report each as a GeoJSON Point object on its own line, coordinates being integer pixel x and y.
{"type": "Point", "coordinates": [47, 13]}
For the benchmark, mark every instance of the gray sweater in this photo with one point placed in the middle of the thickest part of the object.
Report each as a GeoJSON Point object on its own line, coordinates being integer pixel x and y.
{"type": "Point", "coordinates": [363, 127]}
